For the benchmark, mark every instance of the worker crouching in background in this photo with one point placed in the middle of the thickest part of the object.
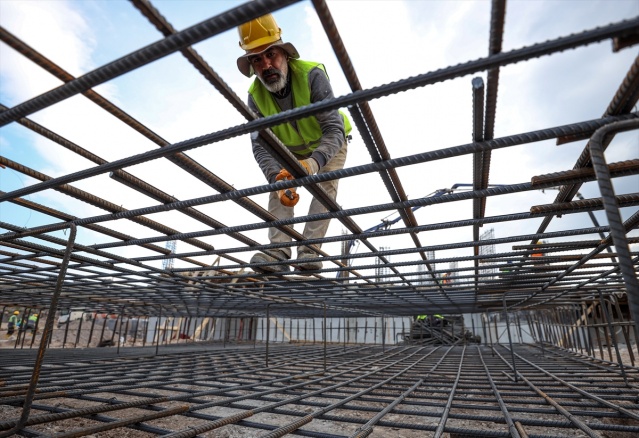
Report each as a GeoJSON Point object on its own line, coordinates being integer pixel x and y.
{"type": "Point", "coordinates": [14, 322]}
{"type": "Point", "coordinates": [31, 324]}
{"type": "Point", "coordinates": [319, 142]}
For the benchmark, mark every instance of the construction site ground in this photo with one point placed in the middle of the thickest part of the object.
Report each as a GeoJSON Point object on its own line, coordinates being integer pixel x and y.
{"type": "Point", "coordinates": [193, 374]}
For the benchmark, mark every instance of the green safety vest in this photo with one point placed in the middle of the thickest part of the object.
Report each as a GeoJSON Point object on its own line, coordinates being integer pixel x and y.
{"type": "Point", "coordinates": [420, 317]}
{"type": "Point", "coordinates": [438, 316]}
{"type": "Point", "coordinates": [13, 319]}
{"type": "Point", "coordinates": [306, 138]}
{"type": "Point", "coordinates": [33, 319]}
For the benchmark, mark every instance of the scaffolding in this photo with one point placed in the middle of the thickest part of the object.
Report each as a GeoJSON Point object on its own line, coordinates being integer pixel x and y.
{"type": "Point", "coordinates": [192, 341]}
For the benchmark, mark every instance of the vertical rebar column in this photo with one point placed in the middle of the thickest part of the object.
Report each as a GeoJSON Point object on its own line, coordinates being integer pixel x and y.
{"type": "Point", "coordinates": [35, 328]}
{"type": "Point", "coordinates": [552, 329]}
{"type": "Point", "coordinates": [365, 330]}
{"type": "Point", "coordinates": [484, 320]}
{"type": "Point", "coordinates": [262, 328]}
{"type": "Point", "coordinates": [135, 333]}
{"type": "Point", "coordinates": [613, 336]}
{"type": "Point", "coordinates": [93, 319]}
{"type": "Point", "coordinates": [510, 342]}
{"type": "Point", "coordinates": [104, 324]}
{"type": "Point", "coordinates": [567, 326]}
{"type": "Point", "coordinates": [192, 329]}
{"type": "Point", "coordinates": [157, 332]}
{"type": "Point", "coordinates": [472, 323]}
{"type": "Point", "coordinates": [77, 334]}
{"type": "Point", "coordinates": [268, 306]}
{"type": "Point", "coordinates": [66, 329]}
{"type": "Point", "coordinates": [624, 329]}
{"type": "Point", "coordinates": [146, 331]}
{"type": "Point", "coordinates": [165, 330]}
{"type": "Point", "coordinates": [542, 335]}
{"type": "Point", "coordinates": [118, 325]}
{"type": "Point", "coordinates": [126, 328]}
{"type": "Point", "coordinates": [383, 333]}
{"type": "Point", "coordinates": [325, 344]}
{"type": "Point", "coordinates": [394, 335]}
{"type": "Point", "coordinates": [590, 349]}
{"type": "Point", "coordinates": [490, 336]}
{"type": "Point", "coordinates": [568, 322]}
{"type": "Point", "coordinates": [330, 332]}
{"type": "Point", "coordinates": [375, 332]}
{"type": "Point", "coordinates": [345, 333]}
{"type": "Point", "coordinates": [577, 326]}
{"type": "Point", "coordinates": [595, 321]}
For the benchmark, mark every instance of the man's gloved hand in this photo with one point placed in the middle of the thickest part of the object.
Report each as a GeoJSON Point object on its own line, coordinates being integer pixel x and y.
{"type": "Point", "coordinates": [288, 197]}
{"type": "Point", "coordinates": [310, 165]}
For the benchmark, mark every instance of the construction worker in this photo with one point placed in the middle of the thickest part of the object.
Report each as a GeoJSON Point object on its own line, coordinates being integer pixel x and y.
{"type": "Point", "coordinates": [319, 142]}
{"type": "Point", "coordinates": [437, 320]}
{"type": "Point", "coordinates": [447, 278]}
{"type": "Point", "coordinates": [31, 322]}
{"type": "Point", "coordinates": [538, 252]}
{"type": "Point", "coordinates": [14, 322]}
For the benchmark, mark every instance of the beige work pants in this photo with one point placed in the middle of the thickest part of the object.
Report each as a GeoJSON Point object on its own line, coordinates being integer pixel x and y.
{"type": "Point", "coordinates": [312, 230]}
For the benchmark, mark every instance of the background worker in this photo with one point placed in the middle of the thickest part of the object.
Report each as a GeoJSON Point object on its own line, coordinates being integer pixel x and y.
{"type": "Point", "coordinates": [447, 278]}
{"type": "Point", "coordinates": [32, 322]}
{"type": "Point", "coordinates": [284, 82]}
{"type": "Point", "coordinates": [538, 252]}
{"type": "Point", "coordinates": [421, 319]}
{"type": "Point", "coordinates": [437, 320]}
{"type": "Point", "coordinates": [14, 322]}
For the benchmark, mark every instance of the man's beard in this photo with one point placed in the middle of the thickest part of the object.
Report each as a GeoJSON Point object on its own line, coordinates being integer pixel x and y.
{"type": "Point", "coordinates": [275, 84]}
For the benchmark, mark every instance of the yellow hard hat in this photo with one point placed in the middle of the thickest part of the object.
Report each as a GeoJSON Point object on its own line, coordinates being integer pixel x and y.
{"type": "Point", "coordinates": [16, 312]}
{"type": "Point", "coordinates": [258, 35]}
{"type": "Point", "coordinates": [35, 314]}
{"type": "Point", "coordinates": [259, 32]}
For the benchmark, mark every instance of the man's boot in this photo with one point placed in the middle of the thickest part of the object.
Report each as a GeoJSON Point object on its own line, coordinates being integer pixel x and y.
{"type": "Point", "coordinates": [270, 256]}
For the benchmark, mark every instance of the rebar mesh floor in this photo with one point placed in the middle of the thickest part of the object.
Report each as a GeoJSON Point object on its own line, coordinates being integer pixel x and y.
{"type": "Point", "coordinates": [177, 239]}
{"type": "Point", "coordinates": [398, 391]}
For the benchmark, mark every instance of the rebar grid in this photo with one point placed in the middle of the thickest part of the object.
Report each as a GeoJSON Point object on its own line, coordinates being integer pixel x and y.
{"type": "Point", "coordinates": [575, 282]}
{"type": "Point", "coordinates": [448, 388]}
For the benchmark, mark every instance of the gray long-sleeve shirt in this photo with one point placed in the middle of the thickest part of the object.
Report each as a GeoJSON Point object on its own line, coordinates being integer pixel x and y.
{"type": "Point", "coordinates": [331, 123]}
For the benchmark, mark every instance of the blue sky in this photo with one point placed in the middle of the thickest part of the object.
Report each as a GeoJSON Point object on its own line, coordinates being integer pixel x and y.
{"type": "Point", "coordinates": [386, 40]}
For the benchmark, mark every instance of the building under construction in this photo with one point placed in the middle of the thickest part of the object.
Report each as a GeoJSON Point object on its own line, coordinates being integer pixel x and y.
{"type": "Point", "coordinates": [124, 258]}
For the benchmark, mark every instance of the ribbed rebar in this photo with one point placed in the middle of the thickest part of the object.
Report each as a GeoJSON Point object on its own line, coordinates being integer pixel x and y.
{"type": "Point", "coordinates": [617, 230]}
